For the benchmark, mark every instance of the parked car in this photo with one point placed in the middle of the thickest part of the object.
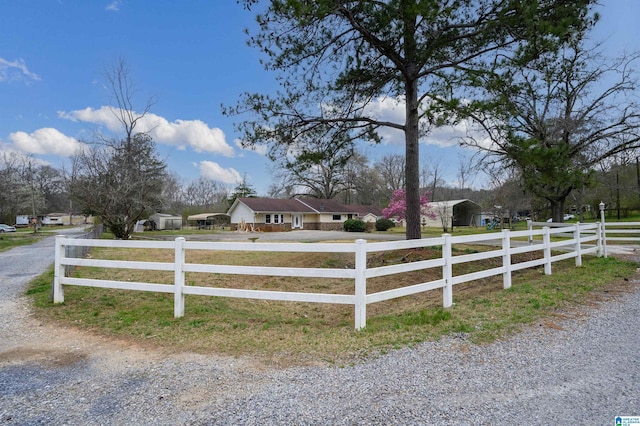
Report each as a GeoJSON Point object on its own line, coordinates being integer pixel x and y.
{"type": "Point", "coordinates": [566, 217]}
{"type": "Point", "coordinates": [6, 228]}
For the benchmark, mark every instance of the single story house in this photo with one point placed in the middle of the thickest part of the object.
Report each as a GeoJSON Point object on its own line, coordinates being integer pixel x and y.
{"type": "Point", "coordinates": [271, 214]}
{"type": "Point", "coordinates": [53, 219]}
{"type": "Point", "coordinates": [368, 214]}
{"type": "Point", "coordinates": [166, 221]}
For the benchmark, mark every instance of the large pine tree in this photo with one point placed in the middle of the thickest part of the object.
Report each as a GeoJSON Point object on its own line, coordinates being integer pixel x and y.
{"type": "Point", "coordinates": [335, 59]}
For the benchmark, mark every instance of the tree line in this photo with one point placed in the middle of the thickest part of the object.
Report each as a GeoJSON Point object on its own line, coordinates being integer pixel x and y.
{"type": "Point", "coordinates": [31, 188]}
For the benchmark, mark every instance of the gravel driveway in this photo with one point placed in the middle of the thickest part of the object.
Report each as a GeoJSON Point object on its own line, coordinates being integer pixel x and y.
{"type": "Point", "coordinates": [583, 370]}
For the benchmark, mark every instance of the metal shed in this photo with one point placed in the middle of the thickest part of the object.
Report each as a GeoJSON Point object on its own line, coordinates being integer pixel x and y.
{"type": "Point", "coordinates": [166, 221]}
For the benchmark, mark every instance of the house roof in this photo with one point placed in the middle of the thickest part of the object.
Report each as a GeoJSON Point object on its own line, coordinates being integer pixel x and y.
{"type": "Point", "coordinates": [289, 205]}
{"type": "Point", "coordinates": [205, 216]}
{"type": "Point", "coordinates": [292, 205]}
{"type": "Point", "coordinates": [451, 203]}
{"type": "Point", "coordinates": [364, 210]}
{"type": "Point", "coordinates": [166, 215]}
{"type": "Point", "coordinates": [321, 205]}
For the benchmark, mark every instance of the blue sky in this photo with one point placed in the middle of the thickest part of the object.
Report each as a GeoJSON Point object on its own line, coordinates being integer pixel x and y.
{"type": "Point", "coordinates": [192, 56]}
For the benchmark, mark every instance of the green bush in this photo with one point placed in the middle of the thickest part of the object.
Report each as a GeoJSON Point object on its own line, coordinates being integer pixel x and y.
{"type": "Point", "coordinates": [354, 225]}
{"type": "Point", "coordinates": [384, 224]}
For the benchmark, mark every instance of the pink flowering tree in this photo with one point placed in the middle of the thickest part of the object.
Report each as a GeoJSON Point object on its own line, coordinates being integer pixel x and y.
{"type": "Point", "coordinates": [398, 206]}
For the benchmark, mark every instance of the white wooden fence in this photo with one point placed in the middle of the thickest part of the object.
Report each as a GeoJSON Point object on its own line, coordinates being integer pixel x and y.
{"type": "Point", "coordinates": [610, 231]}
{"type": "Point", "coordinates": [583, 239]}
{"type": "Point", "coordinates": [621, 231]}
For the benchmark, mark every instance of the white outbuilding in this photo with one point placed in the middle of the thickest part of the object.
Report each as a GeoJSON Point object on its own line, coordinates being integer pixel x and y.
{"type": "Point", "coordinates": [166, 221]}
{"type": "Point", "coordinates": [454, 213]}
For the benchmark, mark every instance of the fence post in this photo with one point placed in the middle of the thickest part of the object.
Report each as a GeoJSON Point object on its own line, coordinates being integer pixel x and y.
{"type": "Point", "coordinates": [599, 238]}
{"type": "Point", "coordinates": [578, 246]}
{"type": "Point", "coordinates": [178, 295]}
{"type": "Point", "coordinates": [59, 270]}
{"type": "Point", "coordinates": [506, 258]}
{"type": "Point", "coordinates": [530, 228]}
{"type": "Point", "coordinates": [447, 272]}
{"type": "Point", "coordinates": [361, 284]}
{"type": "Point", "coordinates": [546, 238]}
{"type": "Point", "coordinates": [603, 233]}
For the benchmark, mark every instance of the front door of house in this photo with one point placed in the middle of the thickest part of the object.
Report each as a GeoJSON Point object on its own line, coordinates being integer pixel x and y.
{"type": "Point", "coordinates": [297, 221]}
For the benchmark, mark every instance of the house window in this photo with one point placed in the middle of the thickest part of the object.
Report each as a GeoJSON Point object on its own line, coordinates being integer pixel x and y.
{"type": "Point", "coordinates": [337, 217]}
{"type": "Point", "coordinates": [281, 218]}
{"type": "Point", "coordinates": [267, 218]}
{"type": "Point", "coordinates": [276, 218]}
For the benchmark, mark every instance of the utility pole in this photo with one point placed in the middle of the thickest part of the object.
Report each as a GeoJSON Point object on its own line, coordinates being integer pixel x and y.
{"type": "Point", "coordinates": [33, 200]}
{"type": "Point", "coordinates": [638, 177]}
{"type": "Point", "coordinates": [618, 192]}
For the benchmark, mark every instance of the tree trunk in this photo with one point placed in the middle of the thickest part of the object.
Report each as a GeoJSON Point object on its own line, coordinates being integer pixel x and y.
{"type": "Point", "coordinates": [557, 210]}
{"type": "Point", "coordinates": [412, 164]}
{"type": "Point", "coordinates": [579, 205]}
{"type": "Point", "coordinates": [412, 157]}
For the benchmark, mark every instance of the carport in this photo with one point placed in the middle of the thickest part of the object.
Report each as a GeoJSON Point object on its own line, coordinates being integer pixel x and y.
{"type": "Point", "coordinates": [454, 212]}
{"type": "Point", "coordinates": [208, 220]}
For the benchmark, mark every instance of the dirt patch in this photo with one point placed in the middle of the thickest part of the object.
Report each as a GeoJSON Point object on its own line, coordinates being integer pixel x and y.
{"type": "Point", "coordinates": [46, 357]}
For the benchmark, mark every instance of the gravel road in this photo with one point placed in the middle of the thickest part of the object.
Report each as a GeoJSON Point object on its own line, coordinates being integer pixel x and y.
{"type": "Point", "coordinates": [584, 369]}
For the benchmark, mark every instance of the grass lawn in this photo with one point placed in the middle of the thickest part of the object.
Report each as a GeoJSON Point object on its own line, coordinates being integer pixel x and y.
{"type": "Point", "coordinates": [22, 237]}
{"type": "Point", "coordinates": [286, 333]}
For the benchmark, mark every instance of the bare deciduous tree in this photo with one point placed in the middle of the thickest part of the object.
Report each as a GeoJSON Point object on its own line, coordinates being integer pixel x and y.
{"type": "Point", "coordinates": [316, 163]}
{"type": "Point", "coordinates": [368, 187]}
{"type": "Point", "coordinates": [391, 168]}
{"type": "Point", "coordinates": [558, 118]}
{"type": "Point", "coordinates": [208, 194]}
{"type": "Point", "coordinates": [467, 171]}
{"type": "Point", "coordinates": [120, 179]}
{"type": "Point", "coordinates": [123, 93]}
{"type": "Point", "coordinates": [28, 187]}
{"type": "Point", "coordinates": [433, 172]}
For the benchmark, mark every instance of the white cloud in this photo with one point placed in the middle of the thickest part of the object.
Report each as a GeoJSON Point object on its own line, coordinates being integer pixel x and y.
{"type": "Point", "coordinates": [103, 116]}
{"type": "Point", "coordinates": [393, 110]}
{"type": "Point", "coordinates": [15, 70]}
{"type": "Point", "coordinates": [389, 109]}
{"type": "Point", "coordinates": [211, 170]}
{"type": "Point", "coordinates": [114, 6]}
{"type": "Point", "coordinates": [195, 134]}
{"type": "Point", "coordinates": [45, 141]}
{"type": "Point", "coordinates": [260, 149]}
{"type": "Point", "coordinates": [447, 136]}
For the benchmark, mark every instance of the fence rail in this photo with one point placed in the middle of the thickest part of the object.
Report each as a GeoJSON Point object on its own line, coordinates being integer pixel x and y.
{"type": "Point", "coordinates": [570, 241]}
{"type": "Point", "coordinates": [81, 251]}
{"type": "Point", "coordinates": [616, 230]}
